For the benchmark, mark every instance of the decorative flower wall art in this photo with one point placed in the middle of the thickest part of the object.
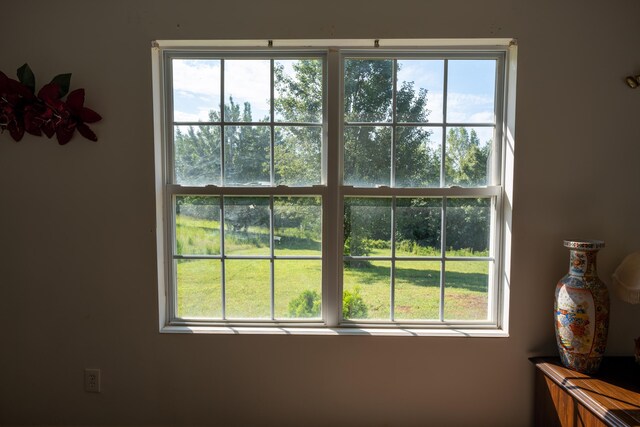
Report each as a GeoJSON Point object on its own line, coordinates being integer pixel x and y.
{"type": "Point", "coordinates": [22, 110]}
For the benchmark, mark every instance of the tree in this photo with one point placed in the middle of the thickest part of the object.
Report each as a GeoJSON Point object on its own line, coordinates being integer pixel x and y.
{"type": "Point", "coordinates": [298, 149]}
{"type": "Point", "coordinates": [466, 159]}
{"type": "Point", "coordinates": [246, 148]}
{"type": "Point", "coordinates": [418, 221]}
{"type": "Point", "coordinates": [368, 98]}
{"type": "Point", "coordinates": [468, 223]}
{"type": "Point", "coordinates": [197, 155]}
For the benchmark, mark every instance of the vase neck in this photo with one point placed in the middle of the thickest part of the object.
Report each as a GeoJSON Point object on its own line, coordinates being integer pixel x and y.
{"type": "Point", "coordinates": [583, 263]}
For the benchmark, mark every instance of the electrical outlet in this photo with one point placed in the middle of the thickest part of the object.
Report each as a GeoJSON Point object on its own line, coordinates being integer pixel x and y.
{"type": "Point", "coordinates": [92, 380]}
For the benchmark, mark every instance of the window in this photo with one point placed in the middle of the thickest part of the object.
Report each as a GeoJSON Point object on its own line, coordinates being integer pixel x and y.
{"type": "Point", "coordinates": [339, 187]}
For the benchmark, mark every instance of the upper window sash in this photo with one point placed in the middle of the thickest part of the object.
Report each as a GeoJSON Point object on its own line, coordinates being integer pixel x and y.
{"type": "Point", "coordinates": [396, 125]}
{"type": "Point", "coordinates": [231, 117]}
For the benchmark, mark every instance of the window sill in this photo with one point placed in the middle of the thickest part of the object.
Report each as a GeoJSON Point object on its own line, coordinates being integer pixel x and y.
{"type": "Point", "coordinates": [394, 332]}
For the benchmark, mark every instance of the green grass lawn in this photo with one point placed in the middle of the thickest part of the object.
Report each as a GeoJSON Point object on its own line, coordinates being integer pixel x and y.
{"type": "Point", "coordinates": [417, 283]}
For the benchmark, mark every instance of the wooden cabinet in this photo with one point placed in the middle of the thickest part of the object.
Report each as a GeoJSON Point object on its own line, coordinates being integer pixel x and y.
{"type": "Point", "coordinates": [567, 398]}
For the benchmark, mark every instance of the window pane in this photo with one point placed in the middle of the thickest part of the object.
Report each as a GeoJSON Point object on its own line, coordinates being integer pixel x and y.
{"type": "Point", "coordinates": [466, 290]}
{"type": "Point", "coordinates": [246, 226]}
{"type": "Point", "coordinates": [246, 155]}
{"type": "Point", "coordinates": [197, 225]}
{"type": "Point", "coordinates": [298, 289]}
{"type": "Point", "coordinates": [247, 90]}
{"type": "Point", "coordinates": [418, 223]}
{"type": "Point", "coordinates": [420, 88]}
{"type": "Point", "coordinates": [198, 288]}
{"type": "Point", "coordinates": [417, 290]}
{"type": "Point", "coordinates": [468, 227]}
{"type": "Point", "coordinates": [367, 156]}
{"type": "Point", "coordinates": [197, 155]}
{"type": "Point", "coordinates": [367, 227]}
{"type": "Point", "coordinates": [418, 156]}
{"type": "Point", "coordinates": [471, 91]}
{"type": "Point", "coordinates": [468, 156]}
{"type": "Point", "coordinates": [248, 289]}
{"type": "Point", "coordinates": [367, 290]}
{"type": "Point", "coordinates": [368, 87]}
{"type": "Point", "coordinates": [196, 90]}
{"type": "Point", "coordinates": [298, 90]}
{"type": "Point", "coordinates": [298, 155]}
{"type": "Point", "coordinates": [298, 226]}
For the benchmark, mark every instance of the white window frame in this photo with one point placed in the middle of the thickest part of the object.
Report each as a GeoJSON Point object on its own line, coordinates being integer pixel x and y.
{"type": "Point", "coordinates": [333, 192]}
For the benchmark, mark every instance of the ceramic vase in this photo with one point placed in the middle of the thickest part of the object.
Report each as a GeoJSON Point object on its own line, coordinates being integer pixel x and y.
{"type": "Point", "coordinates": [582, 309]}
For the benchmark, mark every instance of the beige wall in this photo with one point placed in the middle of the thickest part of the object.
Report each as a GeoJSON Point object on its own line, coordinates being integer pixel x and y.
{"type": "Point", "coordinates": [77, 245]}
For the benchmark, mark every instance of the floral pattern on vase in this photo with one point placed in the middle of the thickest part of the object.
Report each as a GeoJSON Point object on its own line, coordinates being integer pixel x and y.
{"type": "Point", "coordinates": [582, 309]}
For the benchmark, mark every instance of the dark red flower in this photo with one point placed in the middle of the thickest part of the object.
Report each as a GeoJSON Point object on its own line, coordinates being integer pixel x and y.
{"type": "Point", "coordinates": [73, 114]}
{"type": "Point", "coordinates": [22, 111]}
{"type": "Point", "coordinates": [14, 97]}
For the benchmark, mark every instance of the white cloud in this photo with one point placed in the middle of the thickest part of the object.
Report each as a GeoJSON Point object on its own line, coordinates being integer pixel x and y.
{"type": "Point", "coordinates": [482, 117]}
{"type": "Point", "coordinates": [249, 81]}
{"type": "Point", "coordinates": [197, 78]}
{"type": "Point", "coordinates": [467, 108]}
{"type": "Point", "coordinates": [427, 74]}
{"type": "Point", "coordinates": [180, 116]}
{"type": "Point", "coordinates": [196, 85]}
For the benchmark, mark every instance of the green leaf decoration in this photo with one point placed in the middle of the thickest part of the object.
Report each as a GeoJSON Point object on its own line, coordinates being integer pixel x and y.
{"type": "Point", "coordinates": [64, 82]}
{"type": "Point", "coordinates": [26, 77]}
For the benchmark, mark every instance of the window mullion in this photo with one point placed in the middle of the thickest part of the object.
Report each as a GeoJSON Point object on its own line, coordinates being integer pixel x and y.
{"type": "Point", "coordinates": [392, 279]}
{"type": "Point", "coordinates": [271, 256]}
{"type": "Point", "coordinates": [222, 127]}
{"type": "Point", "coordinates": [272, 170]}
{"type": "Point", "coordinates": [223, 277]}
{"type": "Point", "coordinates": [272, 179]}
{"type": "Point", "coordinates": [443, 251]}
{"type": "Point", "coordinates": [332, 228]}
{"type": "Point", "coordinates": [443, 160]}
{"type": "Point", "coordinates": [394, 73]}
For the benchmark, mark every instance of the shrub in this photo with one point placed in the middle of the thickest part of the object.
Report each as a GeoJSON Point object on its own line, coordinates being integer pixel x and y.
{"type": "Point", "coordinates": [353, 306]}
{"type": "Point", "coordinates": [356, 247]}
{"type": "Point", "coordinates": [376, 244]}
{"type": "Point", "coordinates": [416, 248]}
{"type": "Point", "coordinates": [307, 304]}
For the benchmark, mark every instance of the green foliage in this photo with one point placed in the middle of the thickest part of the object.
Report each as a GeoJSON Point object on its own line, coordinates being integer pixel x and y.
{"type": "Point", "coordinates": [307, 304]}
{"type": "Point", "coordinates": [414, 248]}
{"type": "Point", "coordinates": [197, 154]}
{"type": "Point", "coordinates": [468, 224]}
{"type": "Point", "coordinates": [467, 160]}
{"type": "Point", "coordinates": [26, 77]}
{"type": "Point", "coordinates": [366, 218]}
{"type": "Point", "coordinates": [200, 207]}
{"type": "Point", "coordinates": [353, 305]}
{"type": "Point", "coordinates": [299, 97]}
{"type": "Point", "coordinates": [244, 212]}
{"type": "Point", "coordinates": [376, 244]}
{"type": "Point", "coordinates": [354, 246]}
{"type": "Point", "coordinates": [368, 98]}
{"type": "Point", "coordinates": [64, 83]}
{"type": "Point", "coordinates": [299, 217]}
{"type": "Point", "coordinates": [368, 88]}
{"type": "Point", "coordinates": [418, 220]}
{"type": "Point", "coordinates": [298, 149]}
